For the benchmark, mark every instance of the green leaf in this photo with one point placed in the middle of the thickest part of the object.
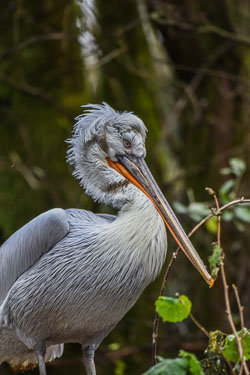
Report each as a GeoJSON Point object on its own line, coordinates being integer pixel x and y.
{"type": "Point", "coordinates": [225, 171]}
{"type": "Point", "coordinates": [230, 349]}
{"type": "Point", "coordinates": [114, 346]}
{"type": "Point", "coordinates": [239, 225]}
{"type": "Point", "coordinates": [238, 166]}
{"type": "Point", "coordinates": [228, 215]}
{"type": "Point", "coordinates": [215, 261]}
{"type": "Point", "coordinates": [180, 208]}
{"type": "Point", "coordinates": [177, 366]}
{"type": "Point", "coordinates": [226, 187]}
{"type": "Point", "coordinates": [243, 214]}
{"type": "Point", "coordinates": [211, 225]}
{"type": "Point", "coordinates": [194, 364]}
{"type": "Point", "coordinates": [198, 210]}
{"type": "Point", "coordinates": [120, 367]}
{"type": "Point", "coordinates": [173, 309]}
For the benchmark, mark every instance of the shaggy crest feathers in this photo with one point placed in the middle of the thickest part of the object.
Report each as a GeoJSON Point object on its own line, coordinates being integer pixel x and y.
{"type": "Point", "coordinates": [92, 123]}
{"type": "Point", "coordinates": [93, 120]}
{"type": "Point", "coordinates": [98, 134]}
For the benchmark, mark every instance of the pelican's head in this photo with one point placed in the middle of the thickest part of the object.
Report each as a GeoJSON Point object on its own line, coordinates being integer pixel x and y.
{"type": "Point", "coordinates": [103, 134]}
{"type": "Point", "coordinates": [108, 150]}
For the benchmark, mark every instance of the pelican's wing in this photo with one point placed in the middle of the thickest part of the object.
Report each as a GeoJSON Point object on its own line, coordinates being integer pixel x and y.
{"type": "Point", "coordinates": [108, 217]}
{"type": "Point", "coordinates": [28, 244]}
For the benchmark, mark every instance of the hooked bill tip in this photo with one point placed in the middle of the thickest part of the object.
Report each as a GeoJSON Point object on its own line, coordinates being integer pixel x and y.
{"type": "Point", "coordinates": [211, 282]}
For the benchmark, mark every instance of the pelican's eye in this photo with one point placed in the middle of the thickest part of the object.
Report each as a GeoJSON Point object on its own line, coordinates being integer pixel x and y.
{"type": "Point", "coordinates": [126, 144]}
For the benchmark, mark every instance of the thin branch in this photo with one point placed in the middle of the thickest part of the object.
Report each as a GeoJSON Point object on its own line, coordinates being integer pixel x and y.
{"type": "Point", "coordinates": [156, 319]}
{"type": "Point", "coordinates": [202, 29]}
{"type": "Point", "coordinates": [226, 294]}
{"type": "Point", "coordinates": [37, 92]}
{"type": "Point", "coordinates": [37, 39]}
{"type": "Point", "coordinates": [195, 321]}
{"type": "Point", "coordinates": [241, 308]}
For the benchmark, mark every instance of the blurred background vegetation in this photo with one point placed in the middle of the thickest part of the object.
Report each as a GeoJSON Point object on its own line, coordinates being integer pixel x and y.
{"type": "Point", "coordinates": [184, 68]}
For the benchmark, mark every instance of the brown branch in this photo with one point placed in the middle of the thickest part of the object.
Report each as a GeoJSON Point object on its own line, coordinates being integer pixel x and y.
{"type": "Point", "coordinates": [37, 39]}
{"type": "Point", "coordinates": [225, 287]}
{"type": "Point", "coordinates": [37, 92]}
{"type": "Point", "coordinates": [195, 321]}
{"type": "Point", "coordinates": [202, 29]}
{"type": "Point", "coordinates": [240, 307]}
{"type": "Point", "coordinates": [218, 211]}
{"type": "Point", "coordinates": [156, 319]}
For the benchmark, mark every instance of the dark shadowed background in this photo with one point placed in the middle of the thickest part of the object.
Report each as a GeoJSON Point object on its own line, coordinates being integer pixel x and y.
{"type": "Point", "coordinates": [184, 68]}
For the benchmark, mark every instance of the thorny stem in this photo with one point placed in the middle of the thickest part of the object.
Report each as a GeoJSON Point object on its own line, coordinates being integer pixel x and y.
{"type": "Point", "coordinates": [170, 265]}
{"type": "Point", "coordinates": [225, 287]}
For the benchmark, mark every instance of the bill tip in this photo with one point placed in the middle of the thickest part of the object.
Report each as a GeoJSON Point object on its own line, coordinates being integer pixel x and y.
{"type": "Point", "coordinates": [211, 282]}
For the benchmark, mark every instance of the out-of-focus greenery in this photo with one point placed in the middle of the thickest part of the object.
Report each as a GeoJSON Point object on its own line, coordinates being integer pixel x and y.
{"type": "Point", "coordinates": [187, 364]}
{"type": "Point", "coordinates": [184, 68]}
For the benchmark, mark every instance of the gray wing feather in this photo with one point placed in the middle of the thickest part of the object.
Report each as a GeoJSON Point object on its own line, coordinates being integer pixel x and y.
{"type": "Point", "coordinates": [28, 244]}
{"type": "Point", "coordinates": [107, 217]}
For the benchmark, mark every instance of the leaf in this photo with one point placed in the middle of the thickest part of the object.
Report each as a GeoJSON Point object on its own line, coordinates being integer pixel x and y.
{"type": "Point", "coordinates": [211, 225]}
{"type": "Point", "coordinates": [194, 364]}
{"type": "Point", "coordinates": [228, 215]}
{"type": "Point", "coordinates": [198, 210]}
{"type": "Point", "coordinates": [114, 346]}
{"type": "Point", "coordinates": [180, 208]}
{"type": "Point", "coordinates": [239, 225]}
{"type": "Point", "coordinates": [173, 309]}
{"type": "Point", "coordinates": [225, 171]}
{"type": "Point", "coordinates": [243, 214]}
{"type": "Point", "coordinates": [120, 367]}
{"type": "Point", "coordinates": [230, 349]}
{"type": "Point", "coordinates": [177, 366]}
{"type": "Point", "coordinates": [215, 261]}
{"type": "Point", "coordinates": [238, 166]}
{"type": "Point", "coordinates": [226, 187]}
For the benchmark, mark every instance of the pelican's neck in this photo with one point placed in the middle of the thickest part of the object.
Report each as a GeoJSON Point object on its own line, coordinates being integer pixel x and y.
{"type": "Point", "coordinates": [140, 235]}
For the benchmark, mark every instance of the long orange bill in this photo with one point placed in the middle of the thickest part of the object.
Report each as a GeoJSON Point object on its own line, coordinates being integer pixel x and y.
{"type": "Point", "coordinates": [137, 172]}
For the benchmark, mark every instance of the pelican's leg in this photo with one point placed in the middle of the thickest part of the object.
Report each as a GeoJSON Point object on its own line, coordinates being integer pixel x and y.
{"type": "Point", "coordinates": [40, 353]}
{"type": "Point", "coordinates": [88, 359]}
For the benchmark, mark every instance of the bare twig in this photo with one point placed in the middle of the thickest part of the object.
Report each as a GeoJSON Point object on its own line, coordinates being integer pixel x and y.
{"type": "Point", "coordinates": [36, 92]}
{"type": "Point", "coordinates": [202, 29]}
{"type": "Point", "coordinates": [218, 211]}
{"type": "Point", "coordinates": [240, 307]}
{"type": "Point", "coordinates": [195, 321]}
{"type": "Point", "coordinates": [156, 319]}
{"type": "Point", "coordinates": [37, 39]}
{"type": "Point", "coordinates": [226, 294]}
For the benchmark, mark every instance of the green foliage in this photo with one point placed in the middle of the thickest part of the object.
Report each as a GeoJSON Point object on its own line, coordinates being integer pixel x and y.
{"type": "Point", "coordinates": [177, 366]}
{"type": "Point", "coordinates": [237, 167]}
{"type": "Point", "coordinates": [114, 346]}
{"type": "Point", "coordinates": [173, 309]}
{"type": "Point", "coordinates": [230, 349]}
{"type": "Point", "coordinates": [188, 364]}
{"type": "Point", "coordinates": [227, 192]}
{"type": "Point", "coordinates": [211, 225]}
{"type": "Point", "coordinates": [242, 213]}
{"type": "Point", "coordinates": [120, 367]}
{"type": "Point", "coordinates": [196, 210]}
{"type": "Point", "coordinates": [215, 260]}
{"type": "Point", "coordinates": [194, 364]}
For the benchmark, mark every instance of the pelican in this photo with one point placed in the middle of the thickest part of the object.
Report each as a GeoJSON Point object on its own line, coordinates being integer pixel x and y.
{"type": "Point", "coordinates": [71, 275]}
